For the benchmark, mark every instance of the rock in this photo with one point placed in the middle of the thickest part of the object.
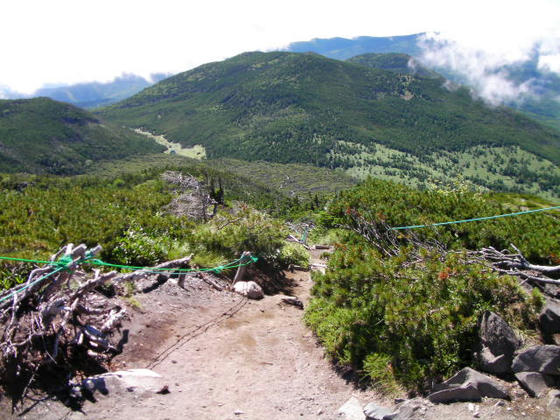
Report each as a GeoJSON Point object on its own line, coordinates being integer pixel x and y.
{"type": "Point", "coordinates": [376, 412]}
{"type": "Point", "coordinates": [352, 410]}
{"type": "Point", "coordinates": [250, 289]}
{"type": "Point", "coordinates": [125, 381]}
{"type": "Point", "coordinates": [456, 394]}
{"type": "Point", "coordinates": [415, 408]}
{"type": "Point", "coordinates": [292, 300]}
{"type": "Point", "coordinates": [498, 343]}
{"type": "Point", "coordinates": [468, 385]}
{"type": "Point", "coordinates": [536, 384]}
{"type": "Point", "coordinates": [543, 359]}
{"type": "Point", "coordinates": [554, 399]}
{"type": "Point", "coordinates": [549, 320]}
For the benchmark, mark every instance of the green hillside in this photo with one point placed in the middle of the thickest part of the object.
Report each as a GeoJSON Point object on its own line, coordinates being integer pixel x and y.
{"type": "Point", "coordinates": [44, 136]}
{"type": "Point", "coordinates": [304, 108]}
{"type": "Point", "coordinates": [396, 63]}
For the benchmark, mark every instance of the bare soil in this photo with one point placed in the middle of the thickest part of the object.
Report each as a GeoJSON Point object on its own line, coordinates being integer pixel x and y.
{"type": "Point", "coordinates": [225, 357]}
{"type": "Point", "coordinates": [221, 354]}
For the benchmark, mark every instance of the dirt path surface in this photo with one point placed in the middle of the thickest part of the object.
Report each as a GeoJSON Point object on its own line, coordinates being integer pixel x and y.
{"type": "Point", "coordinates": [222, 357]}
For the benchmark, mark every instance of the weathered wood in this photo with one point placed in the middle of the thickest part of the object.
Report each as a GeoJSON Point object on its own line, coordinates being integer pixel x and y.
{"type": "Point", "coordinates": [241, 270]}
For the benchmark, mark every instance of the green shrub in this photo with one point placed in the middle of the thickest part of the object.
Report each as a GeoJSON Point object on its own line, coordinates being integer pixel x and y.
{"type": "Point", "coordinates": [417, 311]}
{"type": "Point", "coordinates": [292, 253]}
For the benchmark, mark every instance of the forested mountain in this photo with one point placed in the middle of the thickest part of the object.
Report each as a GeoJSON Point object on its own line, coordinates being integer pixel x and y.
{"type": "Point", "coordinates": [305, 108]}
{"type": "Point", "coordinates": [395, 62]}
{"type": "Point", "coordinates": [91, 94]}
{"type": "Point", "coordinates": [42, 135]}
{"type": "Point", "coordinates": [540, 101]}
{"type": "Point", "coordinates": [343, 48]}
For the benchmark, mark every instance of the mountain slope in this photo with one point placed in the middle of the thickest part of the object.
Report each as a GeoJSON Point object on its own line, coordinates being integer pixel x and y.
{"type": "Point", "coordinates": [344, 48]}
{"type": "Point", "coordinates": [305, 108]}
{"type": "Point", "coordinates": [542, 102]}
{"type": "Point", "coordinates": [396, 63]}
{"type": "Point", "coordinates": [42, 135]}
{"type": "Point", "coordinates": [92, 94]}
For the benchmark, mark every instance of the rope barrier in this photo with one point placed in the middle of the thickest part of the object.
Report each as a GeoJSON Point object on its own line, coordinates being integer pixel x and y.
{"type": "Point", "coordinates": [65, 262]}
{"type": "Point", "coordinates": [476, 219]}
{"type": "Point", "coordinates": [26, 286]}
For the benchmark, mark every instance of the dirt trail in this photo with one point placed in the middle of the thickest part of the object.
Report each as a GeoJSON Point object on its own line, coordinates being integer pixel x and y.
{"type": "Point", "coordinates": [221, 354]}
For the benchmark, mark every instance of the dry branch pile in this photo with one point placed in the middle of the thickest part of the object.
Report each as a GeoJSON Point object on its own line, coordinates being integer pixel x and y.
{"type": "Point", "coordinates": [388, 242]}
{"type": "Point", "coordinates": [58, 325]}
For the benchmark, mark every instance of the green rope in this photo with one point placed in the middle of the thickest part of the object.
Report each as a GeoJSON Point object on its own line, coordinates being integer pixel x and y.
{"type": "Point", "coordinates": [156, 270]}
{"type": "Point", "coordinates": [30, 261]}
{"type": "Point", "coordinates": [476, 219]}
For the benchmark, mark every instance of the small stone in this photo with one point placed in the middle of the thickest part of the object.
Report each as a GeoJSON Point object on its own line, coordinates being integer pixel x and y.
{"type": "Point", "coordinates": [554, 399]}
{"type": "Point", "coordinates": [238, 412]}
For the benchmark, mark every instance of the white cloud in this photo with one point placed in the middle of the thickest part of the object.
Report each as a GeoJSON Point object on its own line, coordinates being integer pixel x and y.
{"type": "Point", "coordinates": [69, 41]}
{"type": "Point", "coordinates": [550, 62]}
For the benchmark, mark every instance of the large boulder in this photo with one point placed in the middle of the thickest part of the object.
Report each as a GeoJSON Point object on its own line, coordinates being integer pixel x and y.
{"type": "Point", "coordinates": [468, 385]}
{"type": "Point", "coordinates": [123, 382]}
{"type": "Point", "coordinates": [250, 289]}
{"type": "Point", "coordinates": [536, 384]}
{"type": "Point", "coordinates": [543, 359]}
{"type": "Point", "coordinates": [498, 343]}
{"type": "Point", "coordinates": [549, 320]}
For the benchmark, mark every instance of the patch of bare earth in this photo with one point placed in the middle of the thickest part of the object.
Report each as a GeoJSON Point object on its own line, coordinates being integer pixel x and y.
{"type": "Point", "coordinates": [222, 357]}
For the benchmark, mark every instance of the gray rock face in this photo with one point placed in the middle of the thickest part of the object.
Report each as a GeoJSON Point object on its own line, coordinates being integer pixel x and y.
{"type": "Point", "coordinates": [543, 359]}
{"type": "Point", "coordinates": [376, 412]}
{"type": "Point", "coordinates": [549, 319]}
{"type": "Point", "coordinates": [498, 343]}
{"type": "Point", "coordinates": [467, 385]}
{"type": "Point", "coordinates": [352, 410]}
{"type": "Point", "coordinates": [536, 384]}
{"type": "Point", "coordinates": [124, 382]}
{"type": "Point", "coordinates": [456, 394]}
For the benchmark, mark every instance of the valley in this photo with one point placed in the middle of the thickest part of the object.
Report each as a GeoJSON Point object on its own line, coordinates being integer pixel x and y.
{"type": "Point", "coordinates": [195, 152]}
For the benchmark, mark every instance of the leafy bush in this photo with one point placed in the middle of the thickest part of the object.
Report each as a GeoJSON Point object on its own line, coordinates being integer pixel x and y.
{"type": "Point", "coordinates": [397, 205]}
{"type": "Point", "coordinates": [137, 248]}
{"type": "Point", "coordinates": [295, 254]}
{"type": "Point", "coordinates": [411, 318]}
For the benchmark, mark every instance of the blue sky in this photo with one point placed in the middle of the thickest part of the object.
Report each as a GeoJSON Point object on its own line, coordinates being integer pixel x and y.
{"type": "Point", "coordinates": [70, 41]}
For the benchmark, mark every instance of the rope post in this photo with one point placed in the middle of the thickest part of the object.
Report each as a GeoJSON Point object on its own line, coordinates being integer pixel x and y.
{"type": "Point", "coordinates": [304, 236]}
{"type": "Point", "coordinates": [246, 256]}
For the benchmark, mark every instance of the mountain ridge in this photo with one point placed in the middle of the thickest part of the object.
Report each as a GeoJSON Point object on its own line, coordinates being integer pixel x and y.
{"type": "Point", "coordinates": [45, 136]}
{"type": "Point", "coordinates": [305, 108]}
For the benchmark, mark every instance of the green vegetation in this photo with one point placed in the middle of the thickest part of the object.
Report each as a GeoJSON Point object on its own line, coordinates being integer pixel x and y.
{"type": "Point", "coordinates": [506, 168]}
{"type": "Point", "coordinates": [44, 136]}
{"type": "Point", "coordinates": [304, 108]}
{"type": "Point", "coordinates": [124, 213]}
{"type": "Point", "coordinates": [396, 63]}
{"type": "Point", "coordinates": [409, 319]}
{"type": "Point", "coordinates": [288, 107]}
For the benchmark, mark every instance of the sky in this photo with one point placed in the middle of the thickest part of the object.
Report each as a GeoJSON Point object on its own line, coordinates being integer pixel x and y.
{"type": "Point", "coordinates": [71, 41]}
